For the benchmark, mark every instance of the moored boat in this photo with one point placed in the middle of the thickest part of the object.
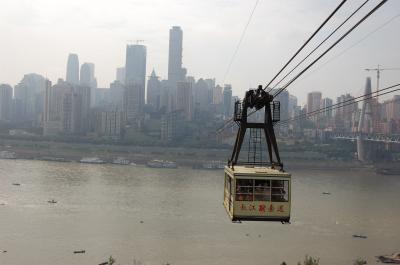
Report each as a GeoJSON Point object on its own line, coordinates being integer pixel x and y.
{"type": "Point", "coordinates": [7, 155]}
{"type": "Point", "coordinates": [161, 164]}
{"type": "Point", "coordinates": [92, 160]}
{"type": "Point", "coordinates": [120, 161]}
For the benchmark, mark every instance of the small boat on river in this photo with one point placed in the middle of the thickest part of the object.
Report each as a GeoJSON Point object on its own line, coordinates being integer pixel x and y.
{"type": "Point", "coordinates": [7, 155]}
{"type": "Point", "coordinates": [161, 164]}
{"type": "Point", "coordinates": [120, 161]}
{"type": "Point", "coordinates": [92, 160]}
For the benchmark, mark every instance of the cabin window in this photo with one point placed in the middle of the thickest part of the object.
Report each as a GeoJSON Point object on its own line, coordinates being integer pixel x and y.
{"type": "Point", "coordinates": [262, 190]}
{"type": "Point", "coordinates": [244, 189]}
{"type": "Point", "coordinates": [228, 184]}
{"type": "Point", "coordinates": [279, 190]}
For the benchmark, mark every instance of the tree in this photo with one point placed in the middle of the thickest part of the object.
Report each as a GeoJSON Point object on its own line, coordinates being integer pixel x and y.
{"type": "Point", "coordinates": [360, 262]}
{"type": "Point", "coordinates": [308, 260]}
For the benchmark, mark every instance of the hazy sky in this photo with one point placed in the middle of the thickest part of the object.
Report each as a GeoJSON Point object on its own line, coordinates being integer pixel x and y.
{"type": "Point", "coordinates": [38, 35]}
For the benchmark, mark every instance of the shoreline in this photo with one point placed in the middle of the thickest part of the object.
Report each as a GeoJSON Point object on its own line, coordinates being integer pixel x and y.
{"type": "Point", "coordinates": [184, 157]}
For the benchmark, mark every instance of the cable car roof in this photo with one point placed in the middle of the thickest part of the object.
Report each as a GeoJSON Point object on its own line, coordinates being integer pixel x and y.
{"type": "Point", "coordinates": [257, 171]}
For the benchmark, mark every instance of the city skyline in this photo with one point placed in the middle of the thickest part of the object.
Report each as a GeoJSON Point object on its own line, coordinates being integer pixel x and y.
{"type": "Point", "coordinates": [208, 46]}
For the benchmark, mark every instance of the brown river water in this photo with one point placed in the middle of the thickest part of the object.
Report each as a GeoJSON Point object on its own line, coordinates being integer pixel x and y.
{"type": "Point", "coordinates": [176, 216]}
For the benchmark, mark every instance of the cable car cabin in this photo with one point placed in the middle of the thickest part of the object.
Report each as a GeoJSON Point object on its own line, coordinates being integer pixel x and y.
{"type": "Point", "coordinates": [258, 189]}
{"type": "Point", "coordinates": [257, 193]}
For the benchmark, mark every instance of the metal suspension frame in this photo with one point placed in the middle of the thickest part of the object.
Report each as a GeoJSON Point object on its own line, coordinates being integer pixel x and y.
{"type": "Point", "coordinates": [257, 99]}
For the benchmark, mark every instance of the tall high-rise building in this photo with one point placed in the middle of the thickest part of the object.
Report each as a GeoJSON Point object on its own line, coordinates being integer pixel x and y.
{"type": "Point", "coordinates": [184, 99]}
{"type": "Point", "coordinates": [87, 79]}
{"type": "Point", "coordinates": [109, 123]}
{"type": "Point", "coordinates": [217, 95]}
{"type": "Point", "coordinates": [135, 78]}
{"type": "Point", "coordinates": [29, 99]}
{"type": "Point", "coordinates": [326, 104]}
{"type": "Point", "coordinates": [72, 76]}
{"type": "Point", "coordinates": [154, 91]}
{"type": "Point", "coordinates": [120, 75]}
{"type": "Point", "coordinates": [292, 105]}
{"type": "Point", "coordinates": [313, 101]}
{"type": "Point", "coordinates": [393, 108]}
{"type": "Point", "coordinates": [165, 97]}
{"type": "Point", "coordinates": [175, 71]}
{"type": "Point", "coordinates": [116, 95]}
{"type": "Point", "coordinates": [86, 74]}
{"type": "Point", "coordinates": [6, 92]}
{"type": "Point", "coordinates": [211, 85]}
{"type": "Point", "coordinates": [66, 108]}
{"type": "Point", "coordinates": [284, 100]}
{"type": "Point", "coordinates": [344, 113]}
{"type": "Point", "coordinates": [227, 100]}
{"type": "Point", "coordinates": [201, 95]}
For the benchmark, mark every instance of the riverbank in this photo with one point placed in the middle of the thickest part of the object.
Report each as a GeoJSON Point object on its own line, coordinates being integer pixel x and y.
{"type": "Point", "coordinates": [186, 157]}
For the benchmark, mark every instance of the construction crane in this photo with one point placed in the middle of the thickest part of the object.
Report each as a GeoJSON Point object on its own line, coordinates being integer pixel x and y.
{"type": "Point", "coordinates": [378, 75]}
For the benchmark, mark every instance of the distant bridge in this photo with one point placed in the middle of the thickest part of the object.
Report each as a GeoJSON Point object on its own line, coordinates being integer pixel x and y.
{"type": "Point", "coordinates": [367, 137]}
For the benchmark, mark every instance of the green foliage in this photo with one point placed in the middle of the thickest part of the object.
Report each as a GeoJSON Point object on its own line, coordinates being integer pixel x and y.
{"type": "Point", "coordinates": [360, 262]}
{"type": "Point", "coordinates": [111, 260]}
{"type": "Point", "coordinates": [308, 260]}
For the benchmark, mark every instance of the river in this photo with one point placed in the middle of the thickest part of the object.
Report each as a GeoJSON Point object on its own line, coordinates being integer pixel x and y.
{"type": "Point", "coordinates": [175, 216]}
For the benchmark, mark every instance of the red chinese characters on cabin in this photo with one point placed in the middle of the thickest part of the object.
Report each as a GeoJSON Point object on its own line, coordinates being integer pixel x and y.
{"type": "Point", "coordinates": [262, 208]}
{"type": "Point", "coordinates": [280, 209]}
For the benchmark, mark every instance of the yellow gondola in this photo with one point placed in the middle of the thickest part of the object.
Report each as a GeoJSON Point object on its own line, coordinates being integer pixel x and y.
{"type": "Point", "coordinates": [257, 193]}
{"type": "Point", "coordinates": [254, 190]}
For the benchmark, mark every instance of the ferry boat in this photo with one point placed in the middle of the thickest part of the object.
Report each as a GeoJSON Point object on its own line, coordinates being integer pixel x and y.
{"type": "Point", "coordinates": [7, 155]}
{"type": "Point", "coordinates": [120, 161]}
{"type": "Point", "coordinates": [53, 159]}
{"type": "Point", "coordinates": [214, 165]}
{"type": "Point", "coordinates": [161, 164]}
{"type": "Point", "coordinates": [92, 160]}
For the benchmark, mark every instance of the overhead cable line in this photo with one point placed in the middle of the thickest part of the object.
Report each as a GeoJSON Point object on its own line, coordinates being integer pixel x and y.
{"type": "Point", "coordinates": [341, 104]}
{"type": "Point", "coordinates": [355, 44]}
{"type": "Point", "coordinates": [230, 121]}
{"type": "Point", "coordinates": [240, 40]}
{"type": "Point", "coordinates": [307, 41]}
{"type": "Point", "coordinates": [331, 47]}
{"type": "Point", "coordinates": [322, 42]}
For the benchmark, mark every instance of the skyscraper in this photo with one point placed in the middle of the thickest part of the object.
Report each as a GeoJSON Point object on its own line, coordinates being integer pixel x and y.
{"type": "Point", "coordinates": [135, 78]}
{"type": "Point", "coordinates": [87, 74]}
{"type": "Point", "coordinates": [120, 75]}
{"type": "Point", "coordinates": [326, 105]}
{"type": "Point", "coordinates": [154, 91]}
{"type": "Point", "coordinates": [283, 98]}
{"type": "Point", "coordinates": [347, 106]}
{"type": "Point", "coordinates": [6, 92]}
{"type": "Point", "coordinates": [227, 100]}
{"type": "Point", "coordinates": [201, 95]}
{"type": "Point", "coordinates": [217, 95]}
{"type": "Point", "coordinates": [29, 98]}
{"type": "Point", "coordinates": [313, 101]}
{"type": "Point", "coordinates": [72, 76]}
{"type": "Point", "coordinates": [87, 79]}
{"type": "Point", "coordinates": [184, 99]}
{"type": "Point", "coordinates": [292, 105]}
{"type": "Point", "coordinates": [175, 71]}
{"type": "Point", "coordinates": [116, 95]}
